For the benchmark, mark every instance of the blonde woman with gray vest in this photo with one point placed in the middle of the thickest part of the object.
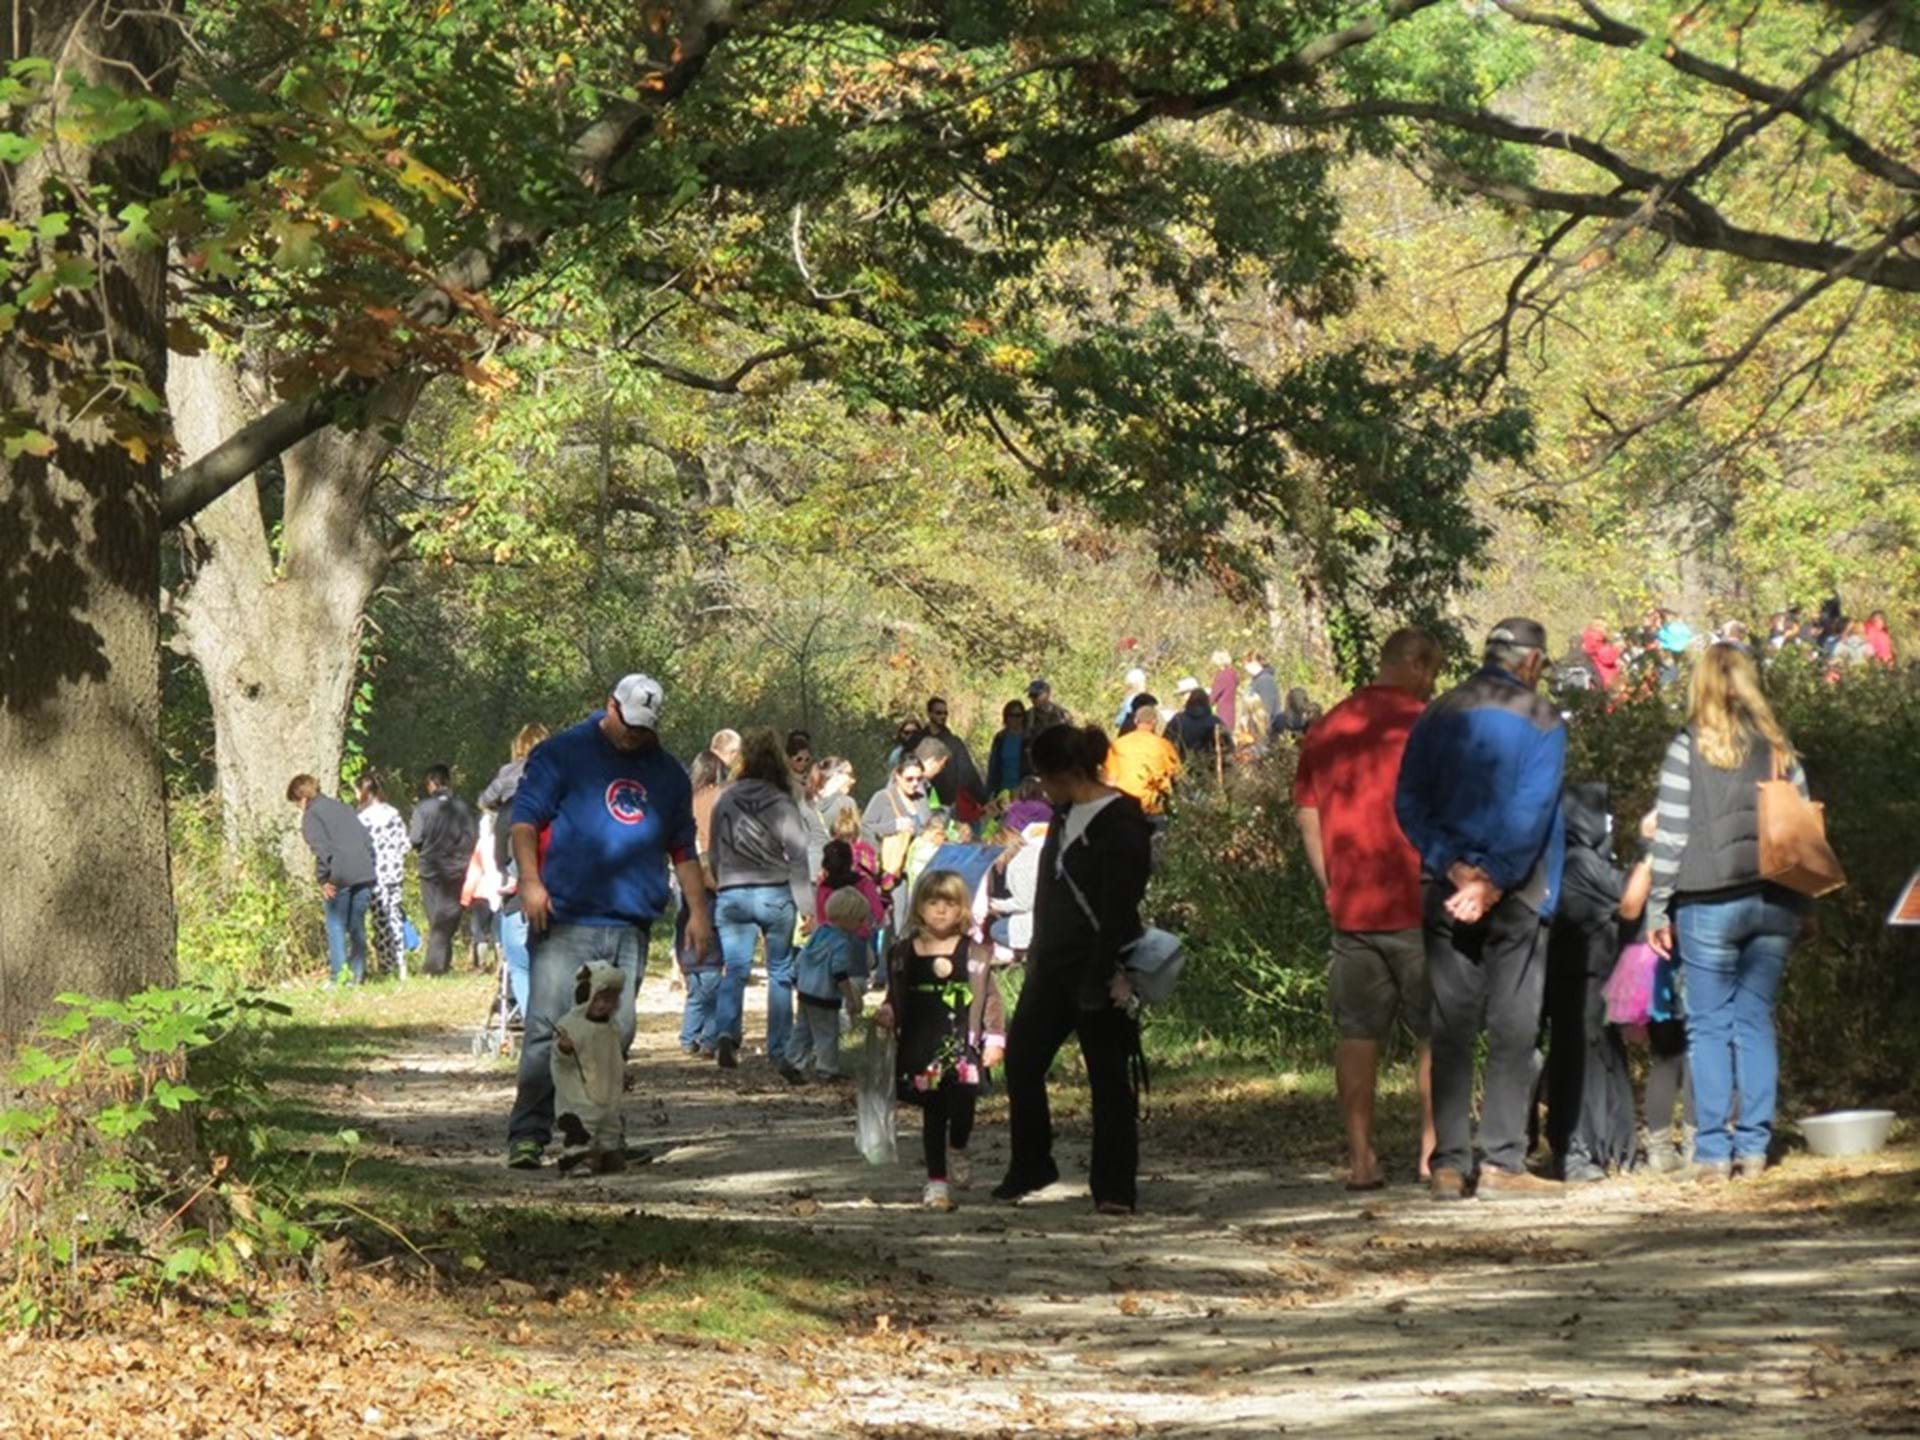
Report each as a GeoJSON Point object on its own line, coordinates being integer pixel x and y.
{"type": "Point", "coordinates": [1729, 928]}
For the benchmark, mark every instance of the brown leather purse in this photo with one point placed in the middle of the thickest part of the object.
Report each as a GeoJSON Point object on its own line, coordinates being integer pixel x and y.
{"type": "Point", "coordinates": [1793, 838]}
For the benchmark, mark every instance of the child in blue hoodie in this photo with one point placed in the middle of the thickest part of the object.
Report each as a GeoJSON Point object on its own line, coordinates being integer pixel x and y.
{"type": "Point", "coordinates": [823, 980]}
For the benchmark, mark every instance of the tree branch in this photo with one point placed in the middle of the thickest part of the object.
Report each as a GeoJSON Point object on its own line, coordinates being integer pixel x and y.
{"type": "Point", "coordinates": [509, 245]}
{"type": "Point", "coordinates": [728, 384]}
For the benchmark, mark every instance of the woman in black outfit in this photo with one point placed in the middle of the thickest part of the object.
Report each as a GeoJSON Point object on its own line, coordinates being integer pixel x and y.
{"type": "Point", "coordinates": [1097, 846]}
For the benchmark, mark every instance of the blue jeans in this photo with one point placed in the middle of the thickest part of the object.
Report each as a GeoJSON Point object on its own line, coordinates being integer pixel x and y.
{"type": "Point", "coordinates": [347, 931]}
{"type": "Point", "coordinates": [738, 916]}
{"type": "Point", "coordinates": [1732, 953]}
{"type": "Point", "coordinates": [554, 958]}
{"type": "Point", "coordinates": [696, 1019]}
{"type": "Point", "coordinates": [511, 926]}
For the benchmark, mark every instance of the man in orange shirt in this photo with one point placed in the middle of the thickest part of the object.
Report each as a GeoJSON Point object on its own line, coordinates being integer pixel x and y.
{"type": "Point", "coordinates": [1141, 763]}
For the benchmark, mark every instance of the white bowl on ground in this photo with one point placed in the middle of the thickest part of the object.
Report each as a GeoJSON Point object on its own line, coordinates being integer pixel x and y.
{"type": "Point", "coordinates": [1847, 1132]}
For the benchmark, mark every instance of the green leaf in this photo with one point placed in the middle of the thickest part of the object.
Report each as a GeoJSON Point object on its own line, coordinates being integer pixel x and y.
{"type": "Point", "coordinates": [16, 148]}
{"type": "Point", "coordinates": [294, 244]}
{"type": "Point", "coordinates": [54, 224]}
{"type": "Point", "coordinates": [183, 1262]}
{"type": "Point", "coordinates": [75, 272]}
{"type": "Point", "coordinates": [345, 198]}
{"type": "Point", "coordinates": [172, 1097]}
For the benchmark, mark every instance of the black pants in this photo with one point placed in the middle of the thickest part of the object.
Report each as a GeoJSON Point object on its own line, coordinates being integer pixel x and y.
{"type": "Point", "coordinates": [1049, 1011]}
{"type": "Point", "coordinates": [1489, 977]}
{"type": "Point", "coordinates": [441, 897]}
{"type": "Point", "coordinates": [948, 1120]}
{"type": "Point", "coordinates": [1589, 1090]}
{"type": "Point", "coordinates": [1667, 1076]}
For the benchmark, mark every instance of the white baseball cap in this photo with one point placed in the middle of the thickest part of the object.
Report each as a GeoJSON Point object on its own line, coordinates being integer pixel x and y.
{"type": "Point", "coordinates": [1137, 677]}
{"type": "Point", "coordinates": [639, 698]}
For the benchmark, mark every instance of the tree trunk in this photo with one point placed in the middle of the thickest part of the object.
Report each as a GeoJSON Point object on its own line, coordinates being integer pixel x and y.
{"type": "Point", "coordinates": [86, 903]}
{"type": "Point", "coordinates": [277, 637]}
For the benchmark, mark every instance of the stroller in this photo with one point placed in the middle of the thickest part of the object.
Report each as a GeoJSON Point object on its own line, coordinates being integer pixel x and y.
{"type": "Point", "coordinates": [498, 1035]}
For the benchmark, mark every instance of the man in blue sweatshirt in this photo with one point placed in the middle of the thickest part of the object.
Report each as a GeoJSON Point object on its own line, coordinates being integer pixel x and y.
{"type": "Point", "coordinates": [601, 811]}
{"type": "Point", "coordinates": [1479, 798]}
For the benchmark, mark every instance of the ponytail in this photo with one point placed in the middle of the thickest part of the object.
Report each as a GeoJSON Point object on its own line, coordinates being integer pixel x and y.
{"type": "Point", "coordinates": [1071, 750]}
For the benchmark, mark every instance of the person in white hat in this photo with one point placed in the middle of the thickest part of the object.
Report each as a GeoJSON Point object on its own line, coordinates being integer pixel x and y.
{"type": "Point", "coordinates": [601, 812]}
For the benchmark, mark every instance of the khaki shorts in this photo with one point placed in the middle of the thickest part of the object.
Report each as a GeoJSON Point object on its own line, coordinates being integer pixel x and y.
{"type": "Point", "coordinates": [1374, 976]}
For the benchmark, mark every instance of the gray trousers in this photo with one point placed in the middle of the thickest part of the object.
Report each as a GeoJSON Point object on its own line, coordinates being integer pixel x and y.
{"type": "Point", "coordinates": [554, 958]}
{"type": "Point", "coordinates": [1487, 977]}
{"type": "Point", "coordinates": [815, 1036]}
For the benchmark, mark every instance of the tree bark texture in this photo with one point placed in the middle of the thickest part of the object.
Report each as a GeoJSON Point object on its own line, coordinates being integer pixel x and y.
{"type": "Point", "coordinates": [86, 900]}
{"type": "Point", "coordinates": [275, 622]}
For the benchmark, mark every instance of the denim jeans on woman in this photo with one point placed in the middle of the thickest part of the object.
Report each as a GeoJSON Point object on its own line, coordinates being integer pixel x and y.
{"type": "Point", "coordinates": [511, 931]}
{"type": "Point", "coordinates": [1732, 953]}
{"type": "Point", "coordinates": [740, 914]}
{"type": "Point", "coordinates": [346, 916]}
{"type": "Point", "coordinates": [556, 957]}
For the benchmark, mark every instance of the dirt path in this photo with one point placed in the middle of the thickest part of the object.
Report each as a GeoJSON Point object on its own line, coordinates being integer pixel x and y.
{"type": "Point", "coordinates": [1257, 1299]}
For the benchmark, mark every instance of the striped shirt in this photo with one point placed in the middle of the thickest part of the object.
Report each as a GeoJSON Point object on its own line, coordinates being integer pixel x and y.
{"type": "Point", "coordinates": [1671, 816]}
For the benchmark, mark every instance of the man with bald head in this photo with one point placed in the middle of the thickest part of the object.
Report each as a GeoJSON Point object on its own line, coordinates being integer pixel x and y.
{"type": "Point", "coordinates": [1343, 801]}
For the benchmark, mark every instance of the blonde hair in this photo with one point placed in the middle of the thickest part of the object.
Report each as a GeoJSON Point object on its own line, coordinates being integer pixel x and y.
{"type": "Point", "coordinates": [847, 906]}
{"type": "Point", "coordinates": [529, 736]}
{"type": "Point", "coordinates": [846, 823]}
{"type": "Point", "coordinates": [1727, 710]}
{"type": "Point", "coordinates": [940, 885]}
{"type": "Point", "coordinates": [1222, 659]}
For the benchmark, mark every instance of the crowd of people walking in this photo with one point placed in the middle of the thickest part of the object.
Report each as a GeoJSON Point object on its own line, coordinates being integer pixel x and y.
{"type": "Point", "coordinates": [1471, 885]}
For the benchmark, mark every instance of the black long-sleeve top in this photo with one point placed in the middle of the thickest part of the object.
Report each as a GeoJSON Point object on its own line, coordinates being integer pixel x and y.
{"type": "Point", "coordinates": [1109, 863]}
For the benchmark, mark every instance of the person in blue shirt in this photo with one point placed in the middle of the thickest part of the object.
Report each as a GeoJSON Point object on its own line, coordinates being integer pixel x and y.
{"type": "Point", "coordinates": [1479, 799]}
{"type": "Point", "coordinates": [601, 811]}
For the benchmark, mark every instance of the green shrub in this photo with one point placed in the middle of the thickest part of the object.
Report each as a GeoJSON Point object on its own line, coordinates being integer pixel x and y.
{"type": "Point", "coordinates": [241, 920]}
{"type": "Point", "coordinates": [118, 1151]}
{"type": "Point", "coordinates": [1234, 882]}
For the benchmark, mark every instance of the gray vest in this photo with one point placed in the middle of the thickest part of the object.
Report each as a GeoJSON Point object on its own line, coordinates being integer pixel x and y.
{"type": "Point", "coordinates": [1723, 830]}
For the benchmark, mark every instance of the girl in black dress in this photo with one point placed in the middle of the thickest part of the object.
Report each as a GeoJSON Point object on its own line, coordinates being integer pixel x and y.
{"type": "Point", "coordinates": [945, 1005]}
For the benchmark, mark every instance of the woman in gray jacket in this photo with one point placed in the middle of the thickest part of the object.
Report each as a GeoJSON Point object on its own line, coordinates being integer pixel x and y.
{"type": "Point", "coordinates": [762, 888]}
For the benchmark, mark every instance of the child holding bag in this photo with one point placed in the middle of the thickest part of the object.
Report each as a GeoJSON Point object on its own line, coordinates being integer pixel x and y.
{"type": "Point", "coordinates": [944, 1005]}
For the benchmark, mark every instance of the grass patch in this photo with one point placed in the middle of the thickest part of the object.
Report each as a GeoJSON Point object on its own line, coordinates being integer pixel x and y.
{"type": "Point", "coordinates": [549, 1263]}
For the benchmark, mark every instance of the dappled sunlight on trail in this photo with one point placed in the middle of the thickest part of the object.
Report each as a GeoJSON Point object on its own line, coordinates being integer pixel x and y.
{"type": "Point", "coordinates": [1252, 1296]}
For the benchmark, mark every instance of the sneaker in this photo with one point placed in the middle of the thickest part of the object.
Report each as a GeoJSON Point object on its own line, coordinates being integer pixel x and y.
{"type": "Point", "coordinates": [937, 1196]}
{"type": "Point", "coordinates": [1498, 1184]}
{"type": "Point", "coordinates": [524, 1155]}
{"type": "Point", "coordinates": [1447, 1184]}
{"type": "Point", "coordinates": [793, 1074]}
{"type": "Point", "coordinates": [1712, 1172]}
{"type": "Point", "coordinates": [1663, 1156]}
{"type": "Point", "coordinates": [726, 1052]}
{"type": "Point", "coordinates": [959, 1170]}
{"type": "Point", "coordinates": [1749, 1167]}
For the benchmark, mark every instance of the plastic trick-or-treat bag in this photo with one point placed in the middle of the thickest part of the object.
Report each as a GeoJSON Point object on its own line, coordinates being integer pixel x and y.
{"type": "Point", "coordinates": [875, 1128]}
{"type": "Point", "coordinates": [1629, 990]}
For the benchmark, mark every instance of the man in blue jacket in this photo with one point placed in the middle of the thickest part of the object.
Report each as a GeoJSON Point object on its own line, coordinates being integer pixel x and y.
{"type": "Point", "coordinates": [601, 812]}
{"type": "Point", "coordinates": [1479, 798]}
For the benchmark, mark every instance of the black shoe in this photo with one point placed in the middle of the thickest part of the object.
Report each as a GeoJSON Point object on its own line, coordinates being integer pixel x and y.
{"type": "Point", "coordinates": [1016, 1187]}
{"type": "Point", "coordinates": [726, 1054]}
{"type": "Point", "coordinates": [793, 1075]}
